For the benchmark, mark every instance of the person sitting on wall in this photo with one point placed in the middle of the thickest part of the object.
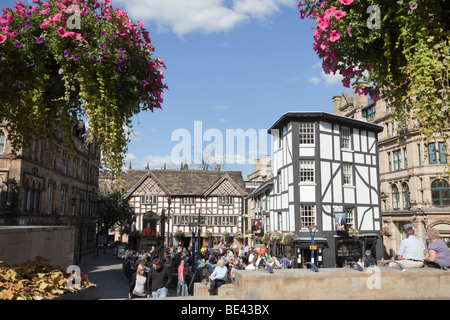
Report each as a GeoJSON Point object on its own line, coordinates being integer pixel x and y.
{"type": "Point", "coordinates": [368, 260]}
{"type": "Point", "coordinates": [411, 252]}
{"type": "Point", "coordinates": [218, 277]}
{"type": "Point", "coordinates": [437, 249]}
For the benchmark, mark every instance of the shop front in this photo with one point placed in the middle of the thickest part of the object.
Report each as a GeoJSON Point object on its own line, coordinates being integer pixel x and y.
{"type": "Point", "coordinates": [303, 250]}
{"type": "Point", "coordinates": [352, 249]}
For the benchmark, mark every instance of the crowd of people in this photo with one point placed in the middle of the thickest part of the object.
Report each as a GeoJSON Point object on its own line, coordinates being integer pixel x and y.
{"type": "Point", "coordinates": [151, 271]}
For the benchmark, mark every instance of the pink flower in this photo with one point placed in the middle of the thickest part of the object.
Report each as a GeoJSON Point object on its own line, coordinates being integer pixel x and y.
{"type": "Point", "coordinates": [346, 2]}
{"type": "Point", "coordinates": [349, 71]}
{"type": "Point", "coordinates": [302, 14]}
{"type": "Point", "coordinates": [349, 30]}
{"type": "Point", "coordinates": [334, 35]}
{"type": "Point", "coordinates": [339, 14]}
{"type": "Point", "coordinates": [322, 22]}
{"type": "Point", "coordinates": [140, 24]}
{"type": "Point", "coordinates": [346, 83]}
{"type": "Point", "coordinates": [3, 38]}
{"type": "Point", "coordinates": [61, 31]}
{"type": "Point", "coordinates": [45, 24]}
{"type": "Point", "coordinates": [374, 96]}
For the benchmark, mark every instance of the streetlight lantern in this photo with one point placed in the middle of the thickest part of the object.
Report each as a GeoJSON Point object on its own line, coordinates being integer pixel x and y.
{"type": "Point", "coordinates": [312, 247]}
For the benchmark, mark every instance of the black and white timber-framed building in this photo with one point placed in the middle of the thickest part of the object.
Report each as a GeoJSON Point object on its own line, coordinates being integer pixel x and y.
{"type": "Point", "coordinates": [325, 166]}
{"type": "Point", "coordinates": [218, 196]}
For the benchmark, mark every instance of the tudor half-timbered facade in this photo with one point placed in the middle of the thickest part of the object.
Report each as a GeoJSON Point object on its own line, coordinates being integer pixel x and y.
{"type": "Point", "coordinates": [217, 196]}
{"type": "Point", "coordinates": [326, 175]}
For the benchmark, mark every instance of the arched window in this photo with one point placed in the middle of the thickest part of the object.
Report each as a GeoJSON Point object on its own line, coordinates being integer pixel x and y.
{"type": "Point", "coordinates": [395, 198]}
{"type": "Point", "coordinates": [405, 196]}
{"type": "Point", "coordinates": [2, 142]}
{"type": "Point", "coordinates": [440, 192]}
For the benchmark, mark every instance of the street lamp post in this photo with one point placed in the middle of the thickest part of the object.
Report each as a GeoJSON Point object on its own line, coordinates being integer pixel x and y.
{"type": "Point", "coordinates": [163, 225]}
{"type": "Point", "coordinates": [195, 226]}
{"type": "Point", "coordinates": [169, 230]}
{"type": "Point", "coordinates": [312, 231]}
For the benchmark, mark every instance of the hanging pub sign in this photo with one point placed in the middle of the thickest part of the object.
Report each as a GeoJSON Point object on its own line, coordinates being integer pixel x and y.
{"type": "Point", "coordinates": [256, 226]}
{"type": "Point", "coordinates": [340, 221]}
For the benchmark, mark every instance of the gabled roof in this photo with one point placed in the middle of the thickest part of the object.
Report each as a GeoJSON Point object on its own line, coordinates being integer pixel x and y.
{"type": "Point", "coordinates": [224, 178]}
{"type": "Point", "coordinates": [183, 182]}
{"type": "Point", "coordinates": [266, 185]}
{"type": "Point", "coordinates": [324, 116]}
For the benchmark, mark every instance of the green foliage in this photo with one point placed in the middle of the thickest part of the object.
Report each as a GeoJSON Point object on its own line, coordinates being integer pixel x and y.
{"type": "Point", "coordinates": [52, 76]}
{"type": "Point", "coordinates": [115, 212]}
{"type": "Point", "coordinates": [399, 52]}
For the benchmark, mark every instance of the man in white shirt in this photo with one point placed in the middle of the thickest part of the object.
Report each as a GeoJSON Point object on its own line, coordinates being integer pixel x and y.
{"type": "Point", "coordinates": [219, 276]}
{"type": "Point", "coordinates": [411, 251]}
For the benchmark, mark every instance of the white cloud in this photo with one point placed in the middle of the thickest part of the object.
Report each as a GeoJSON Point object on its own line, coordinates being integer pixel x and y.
{"type": "Point", "coordinates": [315, 80]}
{"type": "Point", "coordinates": [205, 16]}
{"type": "Point", "coordinates": [332, 79]}
{"type": "Point", "coordinates": [220, 107]}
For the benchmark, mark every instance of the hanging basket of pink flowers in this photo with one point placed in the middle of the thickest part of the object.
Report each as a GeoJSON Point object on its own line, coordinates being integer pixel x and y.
{"type": "Point", "coordinates": [62, 61]}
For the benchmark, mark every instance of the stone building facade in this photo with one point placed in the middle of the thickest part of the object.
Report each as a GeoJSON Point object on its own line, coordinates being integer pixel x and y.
{"type": "Point", "coordinates": [37, 190]}
{"type": "Point", "coordinates": [414, 188]}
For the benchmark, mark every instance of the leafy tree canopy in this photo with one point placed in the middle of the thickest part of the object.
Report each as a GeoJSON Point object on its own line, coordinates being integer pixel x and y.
{"type": "Point", "coordinates": [398, 49]}
{"type": "Point", "coordinates": [65, 61]}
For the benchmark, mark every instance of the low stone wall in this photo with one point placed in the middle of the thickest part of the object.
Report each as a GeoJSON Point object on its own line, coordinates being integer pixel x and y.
{"type": "Point", "coordinates": [19, 244]}
{"type": "Point", "coordinates": [342, 284]}
{"type": "Point", "coordinates": [201, 289]}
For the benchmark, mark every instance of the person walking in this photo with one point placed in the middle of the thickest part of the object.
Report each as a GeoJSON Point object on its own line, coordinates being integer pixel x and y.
{"type": "Point", "coordinates": [138, 287]}
{"type": "Point", "coordinates": [158, 280]}
{"type": "Point", "coordinates": [182, 279]}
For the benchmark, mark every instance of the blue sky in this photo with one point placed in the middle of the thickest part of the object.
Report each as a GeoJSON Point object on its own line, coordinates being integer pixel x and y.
{"type": "Point", "coordinates": [231, 64]}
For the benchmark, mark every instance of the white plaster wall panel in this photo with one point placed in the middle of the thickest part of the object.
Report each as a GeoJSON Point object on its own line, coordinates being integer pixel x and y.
{"type": "Point", "coordinates": [307, 151]}
{"type": "Point", "coordinates": [362, 178]}
{"type": "Point", "coordinates": [337, 148]}
{"type": "Point", "coordinates": [326, 150]}
{"type": "Point", "coordinates": [359, 158]}
{"type": "Point", "coordinates": [365, 218]}
{"type": "Point", "coordinates": [307, 193]}
{"type": "Point", "coordinates": [376, 213]}
{"type": "Point", "coordinates": [356, 143]}
{"type": "Point", "coordinates": [364, 141]}
{"type": "Point", "coordinates": [374, 185]}
{"type": "Point", "coordinates": [325, 126]}
{"type": "Point", "coordinates": [291, 193]}
{"type": "Point", "coordinates": [285, 200]}
{"type": "Point", "coordinates": [372, 142]}
{"type": "Point", "coordinates": [291, 217]}
{"type": "Point", "coordinates": [289, 148]}
{"type": "Point", "coordinates": [347, 156]}
{"type": "Point", "coordinates": [290, 174]}
{"type": "Point", "coordinates": [336, 129]}
{"type": "Point", "coordinates": [326, 177]}
{"type": "Point", "coordinates": [327, 221]}
{"type": "Point", "coordinates": [337, 183]}
{"type": "Point", "coordinates": [349, 195]}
